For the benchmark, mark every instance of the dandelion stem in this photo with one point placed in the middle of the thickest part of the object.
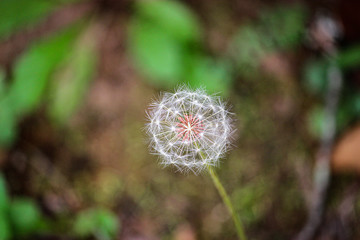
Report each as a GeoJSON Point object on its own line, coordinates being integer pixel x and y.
{"type": "Point", "coordinates": [227, 202]}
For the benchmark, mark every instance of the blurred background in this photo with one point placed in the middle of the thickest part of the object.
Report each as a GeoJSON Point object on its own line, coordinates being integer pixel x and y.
{"type": "Point", "coordinates": [76, 77]}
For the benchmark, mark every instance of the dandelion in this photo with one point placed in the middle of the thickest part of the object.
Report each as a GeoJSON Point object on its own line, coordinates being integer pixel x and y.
{"type": "Point", "coordinates": [192, 131]}
{"type": "Point", "coordinates": [189, 129]}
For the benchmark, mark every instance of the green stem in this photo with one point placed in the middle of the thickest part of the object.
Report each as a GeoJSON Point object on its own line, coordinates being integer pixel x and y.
{"type": "Point", "coordinates": [227, 202]}
{"type": "Point", "coordinates": [226, 199]}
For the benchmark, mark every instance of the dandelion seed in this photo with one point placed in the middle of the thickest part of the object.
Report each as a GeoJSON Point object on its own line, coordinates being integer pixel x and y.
{"type": "Point", "coordinates": [192, 129]}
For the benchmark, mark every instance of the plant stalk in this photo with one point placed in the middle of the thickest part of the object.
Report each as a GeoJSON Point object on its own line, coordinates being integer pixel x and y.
{"type": "Point", "coordinates": [225, 197]}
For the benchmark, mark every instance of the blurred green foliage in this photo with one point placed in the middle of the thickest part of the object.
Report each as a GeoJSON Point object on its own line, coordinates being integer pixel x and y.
{"type": "Point", "coordinates": [31, 74]}
{"type": "Point", "coordinates": [283, 27]}
{"type": "Point", "coordinates": [278, 28]}
{"type": "Point", "coordinates": [249, 200]}
{"type": "Point", "coordinates": [214, 74]}
{"type": "Point", "coordinates": [32, 71]}
{"type": "Point", "coordinates": [25, 216]}
{"type": "Point", "coordinates": [315, 76]}
{"type": "Point", "coordinates": [65, 54]}
{"type": "Point", "coordinates": [316, 82]}
{"type": "Point", "coordinates": [172, 17]}
{"type": "Point", "coordinates": [247, 49]}
{"type": "Point", "coordinates": [7, 121]}
{"type": "Point", "coordinates": [71, 80]}
{"type": "Point", "coordinates": [97, 222]}
{"type": "Point", "coordinates": [2, 82]}
{"type": "Point", "coordinates": [349, 58]}
{"type": "Point", "coordinates": [164, 39]}
{"type": "Point", "coordinates": [5, 232]}
{"type": "Point", "coordinates": [4, 199]}
{"type": "Point", "coordinates": [19, 217]}
{"type": "Point", "coordinates": [315, 120]}
{"type": "Point", "coordinates": [157, 54]}
{"type": "Point", "coordinates": [31, 12]}
{"type": "Point", "coordinates": [349, 110]}
{"type": "Point", "coordinates": [315, 70]}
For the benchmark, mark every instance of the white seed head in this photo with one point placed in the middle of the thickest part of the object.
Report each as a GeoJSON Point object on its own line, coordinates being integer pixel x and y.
{"type": "Point", "coordinates": [189, 129]}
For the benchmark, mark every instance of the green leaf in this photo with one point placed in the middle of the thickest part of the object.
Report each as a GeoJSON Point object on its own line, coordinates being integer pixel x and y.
{"type": "Point", "coordinates": [7, 122]}
{"type": "Point", "coordinates": [172, 17]}
{"type": "Point", "coordinates": [315, 121]}
{"type": "Point", "coordinates": [4, 198]}
{"type": "Point", "coordinates": [33, 69]}
{"type": "Point", "coordinates": [349, 58]}
{"type": "Point", "coordinates": [108, 224]}
{"type": "Point", "coordinates": [315, 76]}
{"type": "Point", "coordinates": [72, 79]}
{"type": "Point", "coordinates": [278, 28]}
{"type": "Point", "coordinates": [85, 223]}
{"type": "Point", "coordinates": [99, 222]}
{"type": "Point", "coordinates": [25, 216]}
{"type": "Point", "coordinates": [5, 229]}
{"type": "Point", "coordinates": [17, 14]}
{"type": "Point", "coordinates": [156, 54]}
{"type": "Point", "coordinates": [213, 75]}
{"type": "Point", "coordinates": [283, 26]}
{"type": "Point", "coordinates": [349, 109]}
{"type": "Point", "coordinates": [316, 70]}
{"type": "Point", "coordinates": [356, 104]}
{"type": "Point", "coordinates": [247, 48]}
{"type": "Point", "coordinates": [2, 83]}
{"type": "Point", "coordinates": [248, 200]}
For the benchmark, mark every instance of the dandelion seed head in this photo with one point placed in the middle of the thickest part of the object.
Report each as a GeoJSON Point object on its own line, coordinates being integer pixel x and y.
{"type": "Point", "coordinates": [189, 129]}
